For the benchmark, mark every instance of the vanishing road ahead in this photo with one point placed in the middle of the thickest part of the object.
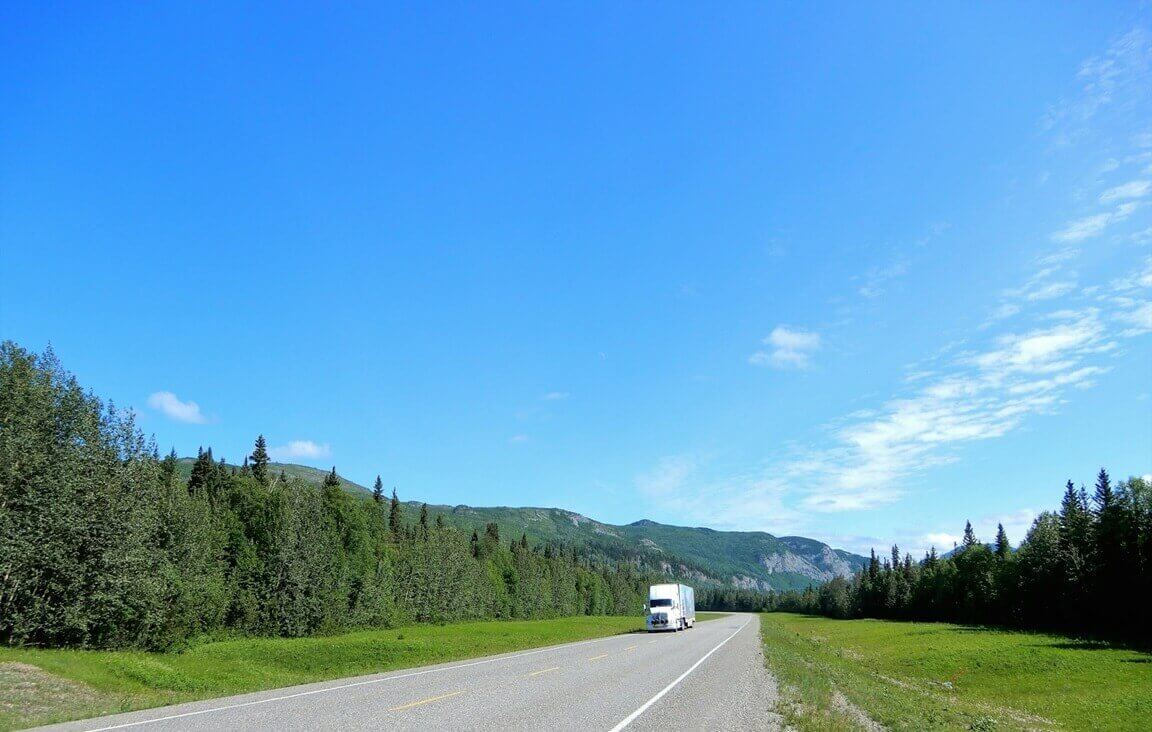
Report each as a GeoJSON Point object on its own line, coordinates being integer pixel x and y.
{"type": "Point", "coordinates": [711, 677]}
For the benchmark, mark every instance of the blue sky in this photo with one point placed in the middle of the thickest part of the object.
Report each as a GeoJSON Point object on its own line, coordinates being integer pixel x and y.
{"type": "Point", "coordinates": [853, 273]}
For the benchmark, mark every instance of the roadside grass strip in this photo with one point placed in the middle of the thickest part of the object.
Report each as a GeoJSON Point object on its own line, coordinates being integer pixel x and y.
{"type": "Point", "coordinates": [868, 674]}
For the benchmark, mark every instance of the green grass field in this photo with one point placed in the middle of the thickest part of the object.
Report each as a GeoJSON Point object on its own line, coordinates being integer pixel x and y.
{"type": "Point", "coordinates": [836, 674]}
{"type": "Point", "coordinates": [701, 617]}
{"type": "Point", "coordinates": [42, 686]}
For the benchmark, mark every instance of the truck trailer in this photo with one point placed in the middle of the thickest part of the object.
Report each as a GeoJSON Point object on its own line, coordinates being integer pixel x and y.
{"type": "Point", "coordinates": [671, 607]}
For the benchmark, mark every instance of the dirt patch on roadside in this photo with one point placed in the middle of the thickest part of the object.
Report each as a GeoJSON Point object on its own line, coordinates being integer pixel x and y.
{"type": "Point", "coordinates": [30, 692]}
{"type": "Point", "coordinates": [841, 704]}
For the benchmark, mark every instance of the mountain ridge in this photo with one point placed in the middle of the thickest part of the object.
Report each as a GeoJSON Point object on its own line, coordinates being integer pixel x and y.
{"type": "Point", "coordinates": [754, 560]}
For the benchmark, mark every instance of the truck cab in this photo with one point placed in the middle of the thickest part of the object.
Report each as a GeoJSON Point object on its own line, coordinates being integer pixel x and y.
{"type": "Point", "coordinates": [671, 607]}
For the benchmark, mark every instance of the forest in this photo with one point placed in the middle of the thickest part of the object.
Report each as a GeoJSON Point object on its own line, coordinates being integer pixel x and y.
{"type": "Point", "coordinates": [1085, 569]}
{"type": "Point", "coordinates": [103, 545]}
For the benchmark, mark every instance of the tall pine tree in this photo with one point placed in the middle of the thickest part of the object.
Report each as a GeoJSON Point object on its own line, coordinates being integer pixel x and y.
{"type": "Point", "coordinates": [394, 514]}
{"type": "Point", "coordinates": [331, 482]}
{"type": "Point", "coordinates": [969, 536]}
{"type": "Point", "coordinates": [258, 461]}
{"type": "Point", "coordinates": [1003, 548]}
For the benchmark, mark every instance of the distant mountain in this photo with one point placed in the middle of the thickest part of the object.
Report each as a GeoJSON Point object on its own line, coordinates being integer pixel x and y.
{"type": "Point", "coordinates": [701, 556]}
{"type": "Point", "coordinates": [704, 557]}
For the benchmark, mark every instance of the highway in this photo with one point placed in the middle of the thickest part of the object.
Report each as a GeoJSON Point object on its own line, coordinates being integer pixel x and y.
{"type": "Point", "coordinates": [711, 677]}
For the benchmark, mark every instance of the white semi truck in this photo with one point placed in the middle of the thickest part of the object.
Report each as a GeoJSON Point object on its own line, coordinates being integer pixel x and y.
{"type": "Point", "coordinates": [671, 607]}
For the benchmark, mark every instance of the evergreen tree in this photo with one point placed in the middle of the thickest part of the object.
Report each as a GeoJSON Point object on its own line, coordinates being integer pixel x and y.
{"type": "Point", "coordinates": [394, 514]}
{"type": "Point", "coordinates": [202, 470]}
{"type": "Point", "coordinates": [1110, 560]}
{"type": "Point", "coordinates": [378, 490]}
{"type": "Point", "coordinates": [259, 460]}
{"type": "Point", "coordinates": [1003, 548]}
{"type": "Point", "coordinates": [168, 468]}
{"type": "Point", "coordinates": [1103, 497]}
{"type": "Point", "coordinates": [331, 484]}
{"type": "Point", "coordinates": [1075, 521]}
{"type": "Point", "coordinates": [969, 536]}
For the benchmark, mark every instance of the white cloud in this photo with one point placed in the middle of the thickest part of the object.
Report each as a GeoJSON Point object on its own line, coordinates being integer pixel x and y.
{"type": "Point", "coordinates": [1002, 312]}
{"type": "Point", "coordinates": [518, 439]}
{"type": "Point", "coordinates": [555, 396]}
{"type": "Point", "coordinates": [1059, 256]}
{"type": "Point", "coordinates": [1043, 285]}
{"type": "Point", "coordinates": [943, 541]}
{"type": "Point", "coordinates": [983, 395]}
{"type": "Point", "coordinates": [1139, 317]}
{"type": "Point", "coordinates": [1129, 190]}
{"type": "Point", "coordinates": [668, 477]}
{"type": "Point", "coordinates": [1116, 77]}
{"type": "Point", "coordinates": [1044, 350]}
{"type": "Point", "coordinates": [790, 348]}
{"type": "Point", "coordinates": [1093, 226]}
{"type": "Point", "coordinates": [300, 449]}
{"type": "Point", "coordinates": [1051, 290]}
{"type": "Point", "coordinates": [1140, 278]}
{"type": "Point", "coordinates": [679, 484]}
{"type": "Point", "coordinates": [878, 278]}
{"type": "Point", "coordinates": [170, 406]}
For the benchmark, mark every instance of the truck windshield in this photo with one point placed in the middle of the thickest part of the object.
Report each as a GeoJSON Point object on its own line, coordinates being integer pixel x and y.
{"type": "Point", "coordinates": [660, 603]}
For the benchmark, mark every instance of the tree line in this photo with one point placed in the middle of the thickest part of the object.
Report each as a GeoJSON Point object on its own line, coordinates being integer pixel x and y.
{"type": "Point", "coordinates": [1085, 569]}
{"type": "Point", "coordinates": [103, 544]}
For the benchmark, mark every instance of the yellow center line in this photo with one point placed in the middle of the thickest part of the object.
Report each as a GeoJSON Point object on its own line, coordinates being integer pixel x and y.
{"type": "Point", "coordinates": [597, 658]}
{"type": "Point", "coordinates": [631, 648]}
{"type": "Point", "coordinates": [651, 641]}
{"type": "Point", "coordinates": [544, 671]}
{"type": "Point", "coordinates": [425, 701]}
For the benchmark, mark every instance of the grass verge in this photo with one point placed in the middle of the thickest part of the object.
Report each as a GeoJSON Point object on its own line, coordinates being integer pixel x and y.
{"type": "Point", "coordinates": [43, 686]}
{"type": "Point", "coordinates": [853, 674]}
{"type": "Point", "coordinates": [701, 617]}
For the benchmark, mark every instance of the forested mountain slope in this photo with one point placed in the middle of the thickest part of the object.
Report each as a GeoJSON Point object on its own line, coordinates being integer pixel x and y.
{"type": "Point", "coordinates": [745, 559]}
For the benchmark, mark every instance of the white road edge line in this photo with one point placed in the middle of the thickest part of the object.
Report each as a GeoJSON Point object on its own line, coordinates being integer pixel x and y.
{"type": "Point", "coordinates": [632, 717]}
{"type": "Point", "coordinates": [353, 684]}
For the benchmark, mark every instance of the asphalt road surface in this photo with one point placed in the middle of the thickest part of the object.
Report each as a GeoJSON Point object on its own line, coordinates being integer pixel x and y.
{"type": "Point", "coordinates": [710, 677]}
